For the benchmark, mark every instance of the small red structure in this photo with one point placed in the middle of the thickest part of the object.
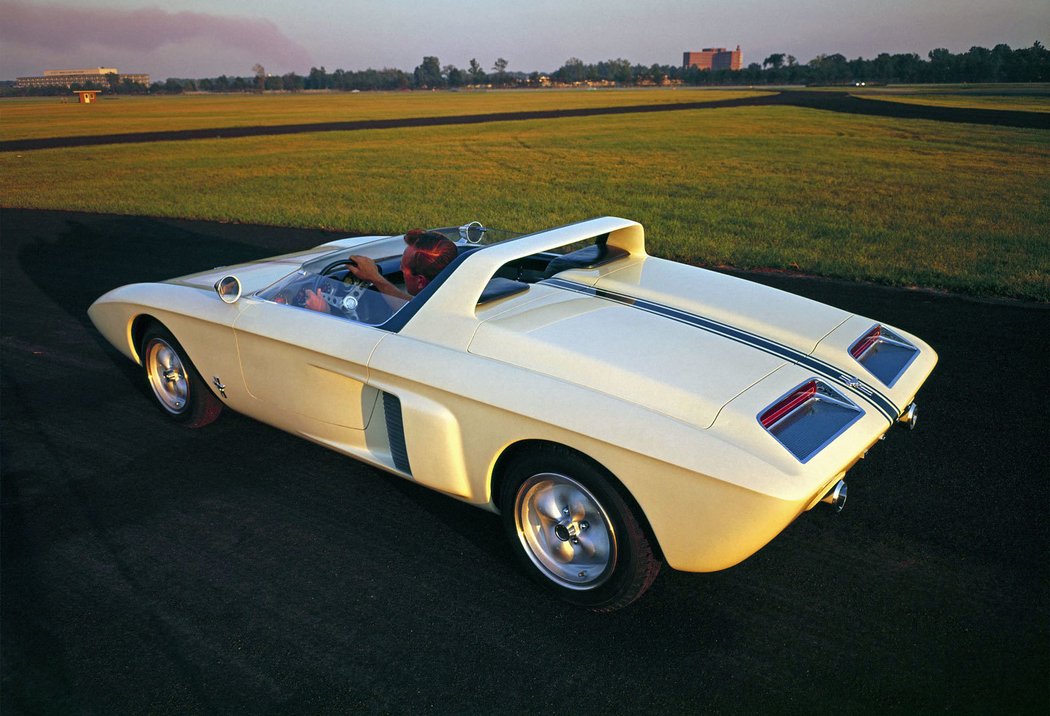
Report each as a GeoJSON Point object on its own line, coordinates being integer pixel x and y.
{"type": "Point", "coordinates": [86, 96]}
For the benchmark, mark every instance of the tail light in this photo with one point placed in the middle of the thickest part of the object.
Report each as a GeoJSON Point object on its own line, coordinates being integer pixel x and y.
{"type": "Point", "coordinates": [792, 402]}
{"type": "Point", "coordinates": [866, 341]}
{"type": "Point", "coordinates": [808, 418]}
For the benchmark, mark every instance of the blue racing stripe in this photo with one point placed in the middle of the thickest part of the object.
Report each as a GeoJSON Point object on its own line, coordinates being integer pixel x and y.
{"type": "Point", "coordinates": [826, 370]}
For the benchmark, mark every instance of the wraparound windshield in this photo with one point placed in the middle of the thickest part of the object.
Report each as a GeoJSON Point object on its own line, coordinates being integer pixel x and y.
{"type": "Point", "coordinates": [336, 294]}
{"type": "Point", "coordinates": [325, 284]}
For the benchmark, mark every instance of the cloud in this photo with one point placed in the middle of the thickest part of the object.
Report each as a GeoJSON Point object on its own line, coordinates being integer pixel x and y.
{"type": "Point", "coordinates": [30, 32]}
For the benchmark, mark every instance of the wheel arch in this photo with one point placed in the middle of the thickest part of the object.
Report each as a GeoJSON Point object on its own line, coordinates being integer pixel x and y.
{"type": "Point", "coordinates": [512, 451]}
{"type": "Point", "coordinates": [139, 325]}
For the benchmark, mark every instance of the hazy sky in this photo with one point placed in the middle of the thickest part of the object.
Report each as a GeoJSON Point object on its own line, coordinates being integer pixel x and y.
{"type": "Point", "coordinates": [205, 38]}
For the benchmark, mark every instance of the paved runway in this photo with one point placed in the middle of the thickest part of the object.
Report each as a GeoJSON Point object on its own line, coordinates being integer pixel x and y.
{"type": "Point", "coordinates": [237, 569]}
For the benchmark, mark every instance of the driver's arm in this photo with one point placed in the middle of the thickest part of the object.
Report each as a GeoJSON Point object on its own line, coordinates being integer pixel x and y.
{"type": "Point", "coordinates": [366, 270]}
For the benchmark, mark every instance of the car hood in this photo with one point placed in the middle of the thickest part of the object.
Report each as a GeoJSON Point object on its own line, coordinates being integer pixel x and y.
{"type": "Point", "coordinates": [254, 275]}
{"type": "Point", "coordinates": [684, 348]}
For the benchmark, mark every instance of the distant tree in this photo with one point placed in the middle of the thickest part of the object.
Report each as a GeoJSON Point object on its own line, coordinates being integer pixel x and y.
{"type": "Point", "coordinates": [619, 71]}
{"type": "Point", "coordinates": [293, 82]}
{"type": "Point", "coordinates": [260, 77]}
{"type": "Point", "coordinates": [454, 76]}
{"type": "Point", "coordinates": [172, 86]}
{"type": "Point", "coordinates": [317, 79]}
{"type": "Point", "coordinates": [942, 65]}
{"type": "Point", "coordinates": [477, 75]}
{"type": "Point", "coordinates": [776, 61]}
{"type": "Point", "coordinates": [860, 69]}
{"type": "Point", "coordinates": [428, 74]}
{"type": "Point", "coordinates": [129, 87]}
{"type": "Point", "coordinates": [572, 71]}
{"type": "Point", "coordinates": [500, 68]}
{"type": "Point", "coordinates": [829, 69]}
{"type": "Point", "coordinates": [1033, 63]}
{"type": "Point", "coordinates": [907, 67]}
{"type": "Point", "coordinates": [882, 67]}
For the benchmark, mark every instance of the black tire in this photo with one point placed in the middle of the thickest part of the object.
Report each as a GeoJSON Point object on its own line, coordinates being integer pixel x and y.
{"type": "Point", "coordinates": [573, 531]}
{"type": "Point", "coordinates": [180, 391]}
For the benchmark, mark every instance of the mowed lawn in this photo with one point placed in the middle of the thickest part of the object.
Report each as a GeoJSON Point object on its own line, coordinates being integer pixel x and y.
{"type": "Point", "coordinates": [38, 117]}
{"type": "Point", "coordinates": [1021, 97]}
{"type": "Point", "coordinates": [903, 202]}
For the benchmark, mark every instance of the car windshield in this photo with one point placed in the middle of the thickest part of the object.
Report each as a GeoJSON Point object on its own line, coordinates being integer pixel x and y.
{"type": "Point", "coordinates": [326, 285]}
{"type": "Point", "coordinates": [475, 234]}
{"type": "Point", "coordinates": [335, 293]}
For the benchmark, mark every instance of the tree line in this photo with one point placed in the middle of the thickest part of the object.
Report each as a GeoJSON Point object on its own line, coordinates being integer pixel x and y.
{"type": "Point", "coordinates": [978, 64]}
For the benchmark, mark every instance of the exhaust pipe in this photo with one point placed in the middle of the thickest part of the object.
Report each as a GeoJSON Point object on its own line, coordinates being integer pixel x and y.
{"type": "Point", "coordinates": [836, 497]}
{"type": "Point", "coordinates": [910, 416]}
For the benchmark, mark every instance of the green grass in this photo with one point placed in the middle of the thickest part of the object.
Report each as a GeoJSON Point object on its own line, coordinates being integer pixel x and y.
{"type": "Point", "coordinates": [993, 101]}
{"type": "Point", "coordinates": [60, 116]}
{"type": "Point", "coordinates": [903, 202]}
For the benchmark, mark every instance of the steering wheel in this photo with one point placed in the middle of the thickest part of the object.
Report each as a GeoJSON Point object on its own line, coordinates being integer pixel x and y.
{"type": "Point", "coordinates": [336, 264]}
{"type": "Point", "coordinates": [345, 301]}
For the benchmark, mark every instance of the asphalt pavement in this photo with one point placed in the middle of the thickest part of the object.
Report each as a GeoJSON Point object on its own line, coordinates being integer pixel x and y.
{"type": "Point", "coordinates": [146, 567]}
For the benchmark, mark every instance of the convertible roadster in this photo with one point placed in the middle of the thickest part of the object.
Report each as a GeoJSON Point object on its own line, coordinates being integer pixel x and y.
{"type": "Point", "coordinates": [616, 409]}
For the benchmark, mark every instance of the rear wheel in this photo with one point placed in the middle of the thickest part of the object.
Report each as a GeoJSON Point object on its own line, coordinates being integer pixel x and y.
{"type": "Point", "coordinates": [178, 387]}
{"type": "Point", "coordinates": [573, 531]}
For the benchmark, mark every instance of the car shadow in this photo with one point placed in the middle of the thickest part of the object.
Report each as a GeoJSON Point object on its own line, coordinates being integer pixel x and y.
{"type": "Point", "coordinates": [74, 258]}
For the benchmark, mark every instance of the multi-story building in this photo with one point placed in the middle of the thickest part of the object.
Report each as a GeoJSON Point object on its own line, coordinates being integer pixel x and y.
{"type": "Point", "coordinates": [68, 78]}
{"type": "Point", "coordinates": [714, 58]}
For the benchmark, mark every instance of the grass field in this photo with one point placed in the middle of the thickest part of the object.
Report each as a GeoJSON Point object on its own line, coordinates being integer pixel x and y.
{"type": "Point", "coordinates": [972, 100]}
{"type": "Point", "coordinates": [33, 118]}
{"type": "Point", "coordinates": [904, 202]}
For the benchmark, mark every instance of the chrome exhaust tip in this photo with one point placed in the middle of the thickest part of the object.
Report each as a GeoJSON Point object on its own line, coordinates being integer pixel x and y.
{"type": "Point", "coordinates": [910, 417]}
{"type": "Point", "coordinates": [836, 497]}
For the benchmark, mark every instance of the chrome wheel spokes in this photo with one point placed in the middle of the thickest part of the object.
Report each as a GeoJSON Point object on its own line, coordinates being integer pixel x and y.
{"type": "Point", "coordinates": [167, 376]}
{"type": "Point", "coordinates": [565, 531]}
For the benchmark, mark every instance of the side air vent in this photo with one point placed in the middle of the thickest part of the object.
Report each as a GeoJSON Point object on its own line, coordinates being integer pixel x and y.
{"type": "Point", "coordinates": [808, 418]}
{"type": "Point", "coordinates": [395, 429]}
{"type": "Point", "coordinates": [498, 288]}
{"type": "Point", "coordinates": [597, 254]}
{"type": "Point", "coordinates": [884, 354]}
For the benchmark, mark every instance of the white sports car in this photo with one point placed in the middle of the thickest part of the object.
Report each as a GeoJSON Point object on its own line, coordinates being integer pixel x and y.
{"type": "Point", "coordinates": [618, 410]}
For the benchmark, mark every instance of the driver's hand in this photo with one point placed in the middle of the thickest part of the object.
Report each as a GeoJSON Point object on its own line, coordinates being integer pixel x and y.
{"type": "Point", "coordinates": [365, 270]}
{"type": "Point", "coordinates": [315, 301]}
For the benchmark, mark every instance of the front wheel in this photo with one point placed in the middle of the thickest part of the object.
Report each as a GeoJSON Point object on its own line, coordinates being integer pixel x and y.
{"type": "Point", "coordinates": [176, 384]}
{"type": "Point", "coordinates": [573, 531]}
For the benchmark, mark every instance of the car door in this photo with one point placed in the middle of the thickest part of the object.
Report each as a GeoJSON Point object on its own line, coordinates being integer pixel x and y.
{"type": "Point", "coordinates": [307, 370]}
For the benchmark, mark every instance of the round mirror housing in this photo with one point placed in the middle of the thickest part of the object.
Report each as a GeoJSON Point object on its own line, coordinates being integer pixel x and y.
{"type": "Point", "coordinates": [472, 233]}
{"type": "Point", "coordinates": [228, 288]}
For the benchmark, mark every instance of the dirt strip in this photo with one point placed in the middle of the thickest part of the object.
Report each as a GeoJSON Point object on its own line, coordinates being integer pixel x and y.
{"type": "Point", "coordinates": [828, 101]}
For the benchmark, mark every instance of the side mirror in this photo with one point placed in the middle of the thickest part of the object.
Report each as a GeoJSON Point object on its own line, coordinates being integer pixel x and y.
{"type": "Point", "coordinates": [228, 288]}
{"type": "Point", "coordinates": [472, 233]}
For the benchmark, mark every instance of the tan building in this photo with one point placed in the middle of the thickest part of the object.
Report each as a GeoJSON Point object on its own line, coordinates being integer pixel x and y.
{"type": "Point", "coordinates": [68, 78]}
{"type": "Point", "coordinates": [714, 58]}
